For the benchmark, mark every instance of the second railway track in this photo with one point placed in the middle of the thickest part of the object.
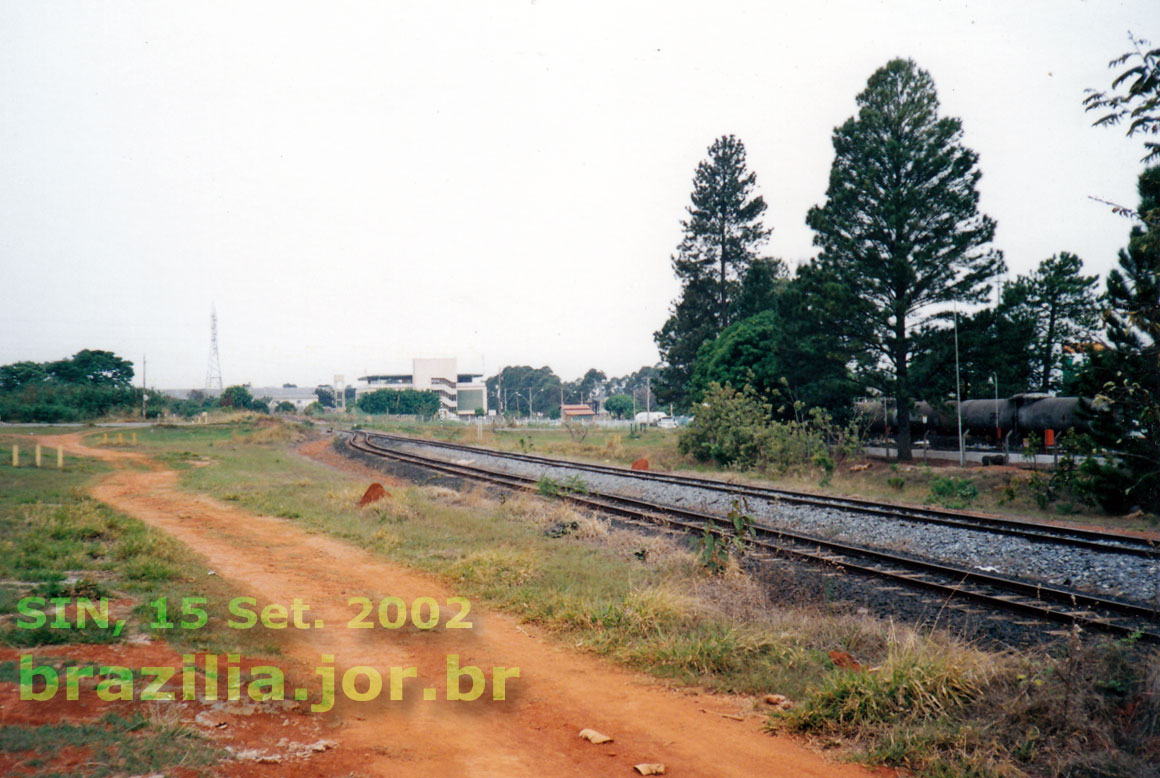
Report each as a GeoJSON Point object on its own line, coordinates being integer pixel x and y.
{"type": "Point", "coordinates": [955, 583]}
{"type": "Point", "coordinates": [1070, 536]}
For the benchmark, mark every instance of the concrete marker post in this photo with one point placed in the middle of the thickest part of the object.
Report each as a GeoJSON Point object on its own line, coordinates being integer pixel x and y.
{"type": "Point", "coordinates": [60, 457]}
{"type": "Point", "coordinates": [134, 438]}
{"type": "Point", "coordinates": [120, 439]}
{"type": "Point", "coordinates": [15, 455]}
{"type": "Point", "coordinates": [38, 455]}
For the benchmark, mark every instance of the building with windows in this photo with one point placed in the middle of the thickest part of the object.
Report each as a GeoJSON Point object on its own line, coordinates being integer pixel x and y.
{"type": "Point", "coordinates": [460, 394]}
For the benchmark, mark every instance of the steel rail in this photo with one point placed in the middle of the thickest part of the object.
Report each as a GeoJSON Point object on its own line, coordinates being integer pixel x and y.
{"type": "Point", "coordinates": [1104, 542]}
{"type": "Point", "coordinates": [997, 592]}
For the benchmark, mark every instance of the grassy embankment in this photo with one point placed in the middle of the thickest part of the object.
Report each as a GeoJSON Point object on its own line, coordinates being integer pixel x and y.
{"type": "Point", "coordinates": [931, 703]}
{"type": "Point", "coordinates": [55, 541]}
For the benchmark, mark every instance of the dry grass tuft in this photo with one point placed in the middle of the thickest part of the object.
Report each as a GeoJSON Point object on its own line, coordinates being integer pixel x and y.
{"type": "Point", "coordinates": [591, 528]}
{"type": "Point", "coordinates": [275, 431]}
{"type": "Point", "coordinates": [496, 567]}
{"type": "Point", "coordinates": [652, 550]}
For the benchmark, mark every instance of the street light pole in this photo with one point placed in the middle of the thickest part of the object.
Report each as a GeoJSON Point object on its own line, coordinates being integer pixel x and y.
{"type": "Point", "coordinates": [998, 431]}
{"type": "Point", "coordinates": [958, 394]}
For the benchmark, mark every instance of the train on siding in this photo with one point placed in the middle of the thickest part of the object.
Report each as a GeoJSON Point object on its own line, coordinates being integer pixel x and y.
{"type": "Point", "coordinates": [997, 422]}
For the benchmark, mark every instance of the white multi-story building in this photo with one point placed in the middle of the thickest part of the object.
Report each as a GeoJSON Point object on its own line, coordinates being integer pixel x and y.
{"type": "Point", "coordinates": [460, 394]}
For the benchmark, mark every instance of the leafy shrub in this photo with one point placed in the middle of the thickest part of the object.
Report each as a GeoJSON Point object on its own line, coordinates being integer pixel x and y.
{"type": "Point", "coordinates": [736, 428]}
{"type": "Point", "coordinates": [547, 486]}
{"type": "Point", "coordinates": [951, 492]}
{"type": "Point", "coordinates": [712, 552]}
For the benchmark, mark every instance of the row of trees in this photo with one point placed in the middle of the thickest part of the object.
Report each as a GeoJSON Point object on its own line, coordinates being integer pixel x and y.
{"type": "Point", "coordinates": [905, 264]}
{"type": "Point", "coordinates": [88, 384]}
{"type": "Point", "coordinates": [399, 401]}
{"type": "Point", "coordinates": [94, 383]}
{"type": "Point", "coordinates": [520, 390]}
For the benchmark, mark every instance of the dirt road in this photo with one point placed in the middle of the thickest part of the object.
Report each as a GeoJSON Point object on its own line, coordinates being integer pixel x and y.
{"type": "Point", "coordinates": [531, 733]}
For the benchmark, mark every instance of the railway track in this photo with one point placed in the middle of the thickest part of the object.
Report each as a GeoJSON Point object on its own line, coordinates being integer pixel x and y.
{"type": "Point", "coordinates": [1071, 536]}
{"type": "Point", "coordinates": [955, 584]}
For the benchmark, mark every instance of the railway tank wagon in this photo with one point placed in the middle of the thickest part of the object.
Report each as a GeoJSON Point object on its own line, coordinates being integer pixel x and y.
{"type": "Point", "coordinates": [1012, 418]}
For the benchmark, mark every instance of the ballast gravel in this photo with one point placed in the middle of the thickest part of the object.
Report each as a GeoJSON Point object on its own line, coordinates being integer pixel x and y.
{"type": "Point", "coordinates": [1119, 575]}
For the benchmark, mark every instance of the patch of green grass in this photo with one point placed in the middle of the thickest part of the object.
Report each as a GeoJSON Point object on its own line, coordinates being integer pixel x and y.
{"type": "Point", "coordinates": [913, 685]}
{"type": "Point", "coordinates": [47, 635]}
{"type": "Point", "coordinates": [55, 541]}
{"type": "Point", "coordinates": [951, 492]}
{"type": "Point", "coordinates": [138, 745]}
{"type": "Point", "coordinates": [9, 671]}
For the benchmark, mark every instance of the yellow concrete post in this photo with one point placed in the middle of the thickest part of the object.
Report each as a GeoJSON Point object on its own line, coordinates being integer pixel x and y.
{"type": "Point", "coordinates": [134, 438]}
{"type": "Point", "coordinates": [120, 439]}
{"type": "Point", "coordinates": [38, 455]}
{"type": "Point", "coordinates": [15, 455]}
{"type": "Point", "coordinates": [60, 457]}
{"type": "Point", "coordinates": [105, 439]}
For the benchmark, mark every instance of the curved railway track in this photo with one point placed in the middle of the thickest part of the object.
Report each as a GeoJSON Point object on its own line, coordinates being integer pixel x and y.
{"type": "Point", "coordinates": [1072, 536]}
{"type": "Point", "coordinates": [1038, 600]}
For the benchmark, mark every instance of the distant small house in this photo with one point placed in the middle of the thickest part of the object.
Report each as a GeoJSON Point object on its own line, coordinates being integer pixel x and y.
{"type": "Point", "coordinates": [577, 411]}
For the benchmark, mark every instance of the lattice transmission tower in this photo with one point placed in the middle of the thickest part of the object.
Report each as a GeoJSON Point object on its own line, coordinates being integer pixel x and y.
{"type": "Point", "coordinates": [213, 374]}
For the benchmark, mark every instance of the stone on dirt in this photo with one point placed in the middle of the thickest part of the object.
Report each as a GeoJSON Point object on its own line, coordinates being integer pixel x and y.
{"type": "Point", "coordinates": [779, 701]}
{"type": "Point", "coordinates": [650, 768]}
{"type": "Point", "coordinates": [592, 736]}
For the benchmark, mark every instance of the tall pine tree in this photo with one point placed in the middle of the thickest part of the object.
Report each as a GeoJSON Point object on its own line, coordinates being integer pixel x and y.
{"type": "Point", "coordinates": [723, 236]}
{"type": "Point", "coordinates": [900, 230]}
{"type": "Point", "coordinates": [1060, 307]}
{"type": "Point", "coordinates": [1125, 378]}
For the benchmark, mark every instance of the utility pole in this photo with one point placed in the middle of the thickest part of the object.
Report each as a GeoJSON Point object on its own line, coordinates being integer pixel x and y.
{"type": "Point", "coordinates": [144, 383]}
{"type": "Point", "coordinates": [885, 427]}
{"type": "Point", "coordinates": [958, 394]}
{"type": "Point", "coordinates": [998, 430]}
{"type": "Point", "coordinates": [648, 397]}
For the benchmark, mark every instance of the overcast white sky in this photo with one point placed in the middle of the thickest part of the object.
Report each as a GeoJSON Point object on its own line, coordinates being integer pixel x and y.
{"type": "Point", "coordinates": [354, 184]}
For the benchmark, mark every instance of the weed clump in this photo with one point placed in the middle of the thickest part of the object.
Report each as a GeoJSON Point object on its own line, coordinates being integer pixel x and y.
{"type": "Point", "coordinates": [737, 429]}
{"type": "Point", "coordinates": [951, 492]}
{"type": "Point", "coordinates": [1085, 708]}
